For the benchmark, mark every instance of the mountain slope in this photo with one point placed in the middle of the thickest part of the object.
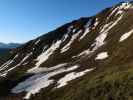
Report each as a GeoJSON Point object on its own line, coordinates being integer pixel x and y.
{"type": "Point", "coordinates": [91, 53]}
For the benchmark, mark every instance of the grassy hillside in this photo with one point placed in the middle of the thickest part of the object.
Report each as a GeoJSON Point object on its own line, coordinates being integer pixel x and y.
{"type": "Point", "coordinates": [111, 84]}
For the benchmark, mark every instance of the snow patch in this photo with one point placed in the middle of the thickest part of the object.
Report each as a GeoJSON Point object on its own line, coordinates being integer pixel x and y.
{"type": "Point", "coordinates": [26, 57]}
{"type": "Point", "coordinates": [44, 69]}
{"type": "Point", "coordinates": [45, 55]}
{"type": "Point", "coordinates": [104, 32]}
{"type": "Point", "coordinates": [71, 76]}
{"type": "Point", "coordinates": [69, 29]}
{"type": "Point", "coordinates": [37, 42]}
{"type": "Point", "coordinates": [96, 22]}
{"type": "Point", "coordinates": [85, 33]}
{"type": "Point", "coordinates": [87, 29]}
{"type": "Point", "coordinates": [113, 12]}
{"type": "Point", "coordinates": [101, 56]}
{"type": "Point", "coordinates": [67, 46]}
{"type": "Point", "coordinates": [85, 52]}
{"type": "Point", "coordinates": [65, 37]}
{"type": "Point", "coordinates": [74, 30]}
{"type": "Point", "coordinates": [126, 35]}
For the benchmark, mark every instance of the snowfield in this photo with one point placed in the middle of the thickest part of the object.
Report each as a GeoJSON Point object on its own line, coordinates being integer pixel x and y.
{"type": "Point", "coordinates": [41, 79]}
{"type": "Point", "coordinates": [87, 29]}
{"type": "Point", "coordinates": [38, 81]}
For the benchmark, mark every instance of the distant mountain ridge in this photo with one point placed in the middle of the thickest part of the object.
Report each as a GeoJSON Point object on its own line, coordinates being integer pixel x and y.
{"type": "Point", "coordinates": [9, 45]}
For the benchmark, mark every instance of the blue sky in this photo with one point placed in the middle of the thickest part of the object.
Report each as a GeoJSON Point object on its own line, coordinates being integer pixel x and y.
{"type": "Point", "coordinates": [23, 20]}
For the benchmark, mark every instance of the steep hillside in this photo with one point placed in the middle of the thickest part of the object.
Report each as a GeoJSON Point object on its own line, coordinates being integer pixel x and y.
{"type": "Point", "coordinates": [89, 58]}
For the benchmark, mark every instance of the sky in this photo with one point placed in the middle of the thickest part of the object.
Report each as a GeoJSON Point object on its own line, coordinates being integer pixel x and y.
{"type": "Point", "coordinates": [23, 20]}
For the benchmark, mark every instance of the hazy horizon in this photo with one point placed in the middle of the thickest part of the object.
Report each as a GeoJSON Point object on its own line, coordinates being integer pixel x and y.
{"type": "Point", "coordinates": [21, 21]}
